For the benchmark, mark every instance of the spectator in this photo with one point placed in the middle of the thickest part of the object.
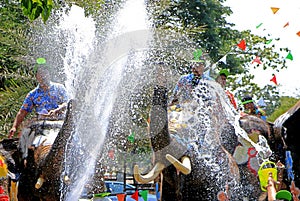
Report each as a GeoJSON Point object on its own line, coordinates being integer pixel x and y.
{"type": "Point", "coordinates": [222, 79]}
{"type": "Point", "coordinates": [253, 109]}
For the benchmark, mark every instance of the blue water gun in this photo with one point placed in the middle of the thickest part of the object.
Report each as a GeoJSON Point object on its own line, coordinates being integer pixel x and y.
{"type": "Point", "coordinates": [289, 165]}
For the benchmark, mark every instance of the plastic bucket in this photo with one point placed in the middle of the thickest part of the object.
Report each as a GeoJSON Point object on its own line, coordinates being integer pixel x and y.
{"type": "Point", "coordinates": [263, 173]}
{"type": "Point", "coordinates": [284, 194]}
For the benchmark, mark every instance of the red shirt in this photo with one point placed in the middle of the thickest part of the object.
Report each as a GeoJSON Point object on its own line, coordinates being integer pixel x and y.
{"type": "Point", "coordinates": [231, 98]}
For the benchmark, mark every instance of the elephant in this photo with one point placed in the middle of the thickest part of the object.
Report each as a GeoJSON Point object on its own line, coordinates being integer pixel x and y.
{"type": "Point", "coordinates": [195, 162]}
{"type": "Point", "coordinates": [286, 128]}
{"type": "Point", "coordinates": [43, 162]}
{"type": "Point", "coordinates": [42, 178]}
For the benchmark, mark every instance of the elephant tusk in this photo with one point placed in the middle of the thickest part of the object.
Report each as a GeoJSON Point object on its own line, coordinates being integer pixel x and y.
{"type": "Point", "coordinates": [156, 170]}
{"type": "Point", "coordinates": [184, 166]}
{"type": "Point", "coordinates": [39, 182]}
{"type": "Point", "coordinates": [67, 180]}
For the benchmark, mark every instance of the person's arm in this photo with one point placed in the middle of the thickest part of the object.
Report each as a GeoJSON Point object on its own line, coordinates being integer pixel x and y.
{"type": "Point", "coordinates": [18, 120]}
{"type": "Point", "coordinates": [174, 96]}
{"type": "Point", "coordinates": [58, 110]}
{"type": "Point", "coordinates": [63, 98]}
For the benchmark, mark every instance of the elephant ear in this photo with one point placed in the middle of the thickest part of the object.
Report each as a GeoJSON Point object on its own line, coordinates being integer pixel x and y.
{"type": "Point", "coordinates": [9, 144]}
{"type": "Point", "coordinates": [240, 154]}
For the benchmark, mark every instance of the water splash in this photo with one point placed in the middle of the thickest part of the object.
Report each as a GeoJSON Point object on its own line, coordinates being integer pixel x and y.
{"type": "Point", "coordinates": [96, 79]}
{"type": "Point", "coordinates": [102, 75]}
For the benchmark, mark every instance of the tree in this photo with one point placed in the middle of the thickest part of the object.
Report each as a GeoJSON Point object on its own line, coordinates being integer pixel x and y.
{"type": "Point", "coordinates": [205, 23]}
{"type": "Point", "coordinates": [285, 104]}
{"type": "Point", "coordinates": [34, 9]}
{"type": "Point", "coordinates": [15, 77]}
{"type": "Point", "coordinates": [19, 20]}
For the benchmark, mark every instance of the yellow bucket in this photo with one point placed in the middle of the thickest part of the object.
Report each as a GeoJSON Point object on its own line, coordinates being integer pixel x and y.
{"type": "Point", "coordinates": [263, 173]}
{"type": "Point", "coordinates": [3, 167]}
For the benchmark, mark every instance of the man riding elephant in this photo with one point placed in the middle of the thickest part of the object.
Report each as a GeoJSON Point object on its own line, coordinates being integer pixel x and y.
{"type": "Point", "coordinates": [49, 99]}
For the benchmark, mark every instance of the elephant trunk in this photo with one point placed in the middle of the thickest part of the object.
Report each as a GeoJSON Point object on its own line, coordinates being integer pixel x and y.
{"type": "Point", "coordinates": [159, 134]}
{"type": "Point", "coordinates": [54, 159]}
{"type": "Point", "coordinates": [163, 145]}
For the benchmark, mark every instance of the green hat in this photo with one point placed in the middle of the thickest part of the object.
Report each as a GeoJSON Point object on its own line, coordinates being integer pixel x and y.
{"type": "Point", "coordinates": [198, 56]}
{"type": "Point", "coordinates": [39, 61]}
{"type": "Point", "coordinates": [224, 72]}
{"type": "Point", "coordinates": [284, 194]}
{"type": "Point", "coordinates": [247, 99]}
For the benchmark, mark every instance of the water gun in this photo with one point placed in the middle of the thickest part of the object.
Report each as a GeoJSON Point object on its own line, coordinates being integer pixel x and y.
{"type": "Point", "coordinates": [289, 165]}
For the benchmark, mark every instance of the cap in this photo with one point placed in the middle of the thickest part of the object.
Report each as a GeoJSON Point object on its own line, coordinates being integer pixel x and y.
{"type": "Point", "coordinates": [197, 61]}
{"type": "Point", "coordinates": [39, 61]}
{"type": "Point", "coordinates": [247, 99]}
{"type": "Point", "coordinates": [284, 194]}
{"type": "Point", "coordinates": [224, 72]}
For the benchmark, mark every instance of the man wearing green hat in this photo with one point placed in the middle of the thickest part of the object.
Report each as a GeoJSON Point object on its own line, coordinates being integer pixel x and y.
{"type": "Point", "coordinates": [222, 79]}
{"type": "Point", "coordinates": [188, 82]}
{"type": "Point", "coordinates": [252, 109]}
{"type": "Point", "coordinates": [48, 99]}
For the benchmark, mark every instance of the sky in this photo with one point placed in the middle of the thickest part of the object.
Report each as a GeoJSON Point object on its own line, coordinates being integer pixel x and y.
{"type": "Point", "coordinates": [247, 15]}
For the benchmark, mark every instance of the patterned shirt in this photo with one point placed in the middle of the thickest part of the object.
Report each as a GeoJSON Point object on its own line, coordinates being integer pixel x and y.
{"type": "Point", "coordinates": [44, 101]}
{"type": "Point", "coordinates": [186, 84]}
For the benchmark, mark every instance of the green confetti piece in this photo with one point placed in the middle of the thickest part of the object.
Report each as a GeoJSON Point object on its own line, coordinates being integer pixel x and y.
{"type": "Point", "coordinates": [259, 25]}
{"type": "Point", "coordinates": [197, 54]}
{"type": "Point", "coordinates": [269, 41]}
{"type": "Point", "coordinates": [290, 56]}
{"type": "Point", "coordinates": [144, 194]}
{"type": "Point", "coordinates": [131, 137]}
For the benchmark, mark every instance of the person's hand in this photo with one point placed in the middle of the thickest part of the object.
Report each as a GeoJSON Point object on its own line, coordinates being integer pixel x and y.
{"type": "Point", "coordinates": [25, 162]}
{"type": "Point", "coordinates": [53, 112]}
{"type": "Point", "coordinates": [12, 131]}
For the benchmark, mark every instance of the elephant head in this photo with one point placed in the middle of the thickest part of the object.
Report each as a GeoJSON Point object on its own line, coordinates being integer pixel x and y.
{"type": "Point", "coordinates": [41, 178]}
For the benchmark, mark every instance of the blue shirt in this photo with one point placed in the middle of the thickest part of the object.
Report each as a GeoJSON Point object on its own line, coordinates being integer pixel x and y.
{"type": "Point", "coordinates": [186, 84]}
{"type": "Point", "coordinates": [44, 101]}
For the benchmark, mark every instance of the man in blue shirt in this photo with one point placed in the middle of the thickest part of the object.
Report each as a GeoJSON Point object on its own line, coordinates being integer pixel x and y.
{"type": "Point", "coordinates": [48, 99]}
{"type": "Point", "coordinates": [187, 83]}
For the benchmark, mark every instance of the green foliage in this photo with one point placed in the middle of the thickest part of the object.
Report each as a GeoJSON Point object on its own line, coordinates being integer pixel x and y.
{"type": "Point", "coordinates": [13, 43]}
{"type": "Point", "coordinates": [285, 104]}
{"type": "Point", "coordinates": [15, 76]}
{"type": "Point", "coordinates": [205, 23]}
{"type": "Point", "coordinates": [35, 8]}
{"type": "Point", "coordinates": [11, 99]}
